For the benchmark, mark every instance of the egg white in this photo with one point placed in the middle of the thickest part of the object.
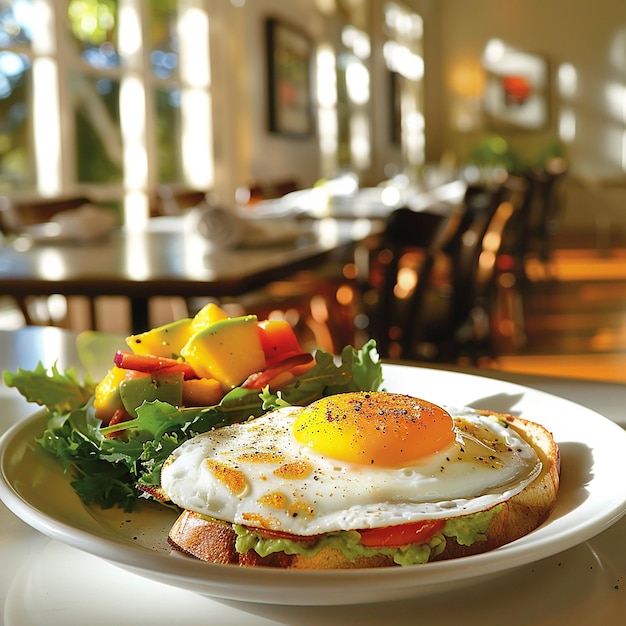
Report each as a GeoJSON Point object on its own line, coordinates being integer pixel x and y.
{"type": "Point", "coordinates": [487, 464]}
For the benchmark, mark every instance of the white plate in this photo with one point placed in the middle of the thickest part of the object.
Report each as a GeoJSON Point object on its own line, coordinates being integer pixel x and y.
{"type": "Point", "coordinates": [592, 498]}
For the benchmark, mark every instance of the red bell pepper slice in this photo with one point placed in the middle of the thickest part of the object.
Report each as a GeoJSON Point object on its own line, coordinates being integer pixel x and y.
{"type": "Point", "coordinates": [152, 364]}
{"type": "Point", "coordinates": [278, 340]}
{"type": "Point", "coordinates": [121, 415]}
{"type": "Point", "coordinates": [258, 380]}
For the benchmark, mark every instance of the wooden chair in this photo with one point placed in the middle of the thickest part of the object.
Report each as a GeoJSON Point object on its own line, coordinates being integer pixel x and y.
{"type": "Point", "coordinates": [544, 208]}
{"type": "Point", "coordinates": [14, 217]}
{"type": "Point", "coordinates": [450, 312]}
{"type": "Point", "coordinates": [174, 201]}
{"type": "Point", "coordinates": [257, 191]}
{"type": "Point", "coordinates": [441, 303]}
{"type": "Point", "coordinates": [400, 276]}
{"type": "Point", "coordinates": [475, 265]}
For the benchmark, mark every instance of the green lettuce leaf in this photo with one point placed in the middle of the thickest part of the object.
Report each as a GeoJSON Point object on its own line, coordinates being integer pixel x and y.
{"type": "Point", "coordinates": [95, 350]}
{"type": "Point", "coordinates": [357, 370]}
{"type": "Point", "coordinates": [56, 390]}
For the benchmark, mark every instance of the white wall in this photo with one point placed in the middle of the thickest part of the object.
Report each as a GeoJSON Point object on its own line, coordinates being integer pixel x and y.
{"type": "Point", "coordinates": [245, 151]}
{"type": "Point", "coordinates": [589, 35]}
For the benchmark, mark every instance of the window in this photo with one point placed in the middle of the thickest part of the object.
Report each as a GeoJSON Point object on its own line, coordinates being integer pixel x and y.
{"type": "Point", "coordinates": [343, 98]}
{"type": "Point", "coordinates": [403, 54]}
{"type": "Point", "coordinates": [100, 99]}
{"type": "Point", "coordinates": [354, 85]}
{"type": "Point", "coordinates": [165, 89]}
{"type": "Point", "coordinates": [17, 165]}
{"type": "Point", "coordinates": [93, 90]}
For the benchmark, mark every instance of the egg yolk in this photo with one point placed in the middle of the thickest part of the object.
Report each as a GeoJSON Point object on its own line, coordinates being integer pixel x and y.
{"type": "Point", "coordinates": [374, 428]}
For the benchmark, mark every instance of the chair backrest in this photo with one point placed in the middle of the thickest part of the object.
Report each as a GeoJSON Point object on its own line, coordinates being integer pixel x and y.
{"type": "Point", "coordinates": [544, 207]}
{"type": "Point", "coordinates": [480, 204]}
{"type": "Point", "coordinates": [258, 191]}
{"type": "Point", "coordinates": [407, 232]}
{"type": "Point", "coordinates": [14, 215]}
{"type": "Point", "coordinates": [474, 267]}
{"type": "Point", "coordinates": [477, 202]}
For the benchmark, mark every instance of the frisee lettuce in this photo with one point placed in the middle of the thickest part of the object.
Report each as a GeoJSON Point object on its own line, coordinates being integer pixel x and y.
{"type": "Point", "coordinates": [58, 391]}
{"type": "Point", "coordinates": [111, 471]}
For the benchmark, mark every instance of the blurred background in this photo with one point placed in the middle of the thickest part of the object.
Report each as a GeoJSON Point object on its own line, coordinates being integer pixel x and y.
{"type": "Point", "coordinates": [147, 108]}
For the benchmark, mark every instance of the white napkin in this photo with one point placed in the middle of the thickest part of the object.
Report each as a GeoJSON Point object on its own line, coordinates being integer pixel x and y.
{"type": "Point", "coordinates": [226, 228]}
{"type": "Point", "coordinates": [86, 223]}
{"type": "Point", "coordinates": [218, 225]}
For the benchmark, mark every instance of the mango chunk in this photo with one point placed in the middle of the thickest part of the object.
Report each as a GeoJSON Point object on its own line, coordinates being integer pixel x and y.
{"type": "Point", "coordinates": [166, 341]}
{"type": "Point", "coordinates": [202, 392]}
{"type": "Point", "coordinates": [228, 350]}
{"type": "Point", "coordinates": [107, 398]}
{"type": "Point", "coordinates": [207, 315]}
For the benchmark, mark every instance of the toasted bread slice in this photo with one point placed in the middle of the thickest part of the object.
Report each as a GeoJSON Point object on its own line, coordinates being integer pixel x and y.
{"type": "Point", "coordinates": [214, 541]}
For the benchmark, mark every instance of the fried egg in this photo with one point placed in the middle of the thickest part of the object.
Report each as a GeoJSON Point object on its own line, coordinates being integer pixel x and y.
{"type": "Point", "coordinates": [350, 461]}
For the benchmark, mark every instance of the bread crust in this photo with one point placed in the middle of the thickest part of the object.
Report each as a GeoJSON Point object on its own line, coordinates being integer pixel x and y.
{"type": "Point", "coordinates": [528, 509]}
{"type": "Point", "coordinates": [214, 541]}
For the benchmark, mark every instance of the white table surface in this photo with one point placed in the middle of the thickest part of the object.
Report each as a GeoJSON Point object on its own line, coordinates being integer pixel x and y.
{"type": "Point", "coordinates": [46, 582]}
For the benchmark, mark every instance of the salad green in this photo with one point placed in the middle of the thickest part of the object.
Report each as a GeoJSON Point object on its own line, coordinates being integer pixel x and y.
{"type": "Point", "coordinates": [120, 470]}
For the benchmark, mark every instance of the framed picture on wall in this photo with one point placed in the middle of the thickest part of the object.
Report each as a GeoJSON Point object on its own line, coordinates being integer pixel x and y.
{"type": "Point", "coordinates": [517, 92]}
{"type": "Point", "coordinates": [290, 105]}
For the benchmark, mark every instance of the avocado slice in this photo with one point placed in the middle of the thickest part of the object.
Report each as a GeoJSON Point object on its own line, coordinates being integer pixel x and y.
{"type": "Point", "coordinates": [167, 388]}
{"type": "Point", "coordinates": [228, 350]}
{"type": "Point", "coordinates": [166, 341]}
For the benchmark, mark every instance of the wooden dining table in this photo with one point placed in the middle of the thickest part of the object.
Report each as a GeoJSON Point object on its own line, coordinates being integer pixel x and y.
{"type": "Point", "coordinates": [169, 257]}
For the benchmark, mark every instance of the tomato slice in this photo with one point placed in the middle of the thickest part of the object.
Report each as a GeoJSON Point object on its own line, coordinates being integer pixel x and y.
{"type": "Point", "coordinates": [278, 340]}
{"type": "Point", "coordinates": [152, 364]}
{"type": "Point", "coordinates": [402, 535]}
{"type": "Point", "coordinates": [385, 537]}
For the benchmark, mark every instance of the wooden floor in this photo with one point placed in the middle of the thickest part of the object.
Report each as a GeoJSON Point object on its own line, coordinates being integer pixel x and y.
{"type": "Point", "coordinates": [574, 318]}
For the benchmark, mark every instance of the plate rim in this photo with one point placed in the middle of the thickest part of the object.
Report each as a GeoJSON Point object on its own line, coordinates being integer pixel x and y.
{"type": "Point", "coordinates": [246, 583]}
